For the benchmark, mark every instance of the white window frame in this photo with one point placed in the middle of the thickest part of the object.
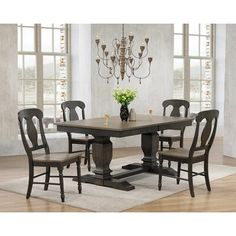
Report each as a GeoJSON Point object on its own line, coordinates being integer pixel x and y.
{"type": "Point", "coordinates": [39, 65]}
{"type": "Point", "coordinates": [186, 63]}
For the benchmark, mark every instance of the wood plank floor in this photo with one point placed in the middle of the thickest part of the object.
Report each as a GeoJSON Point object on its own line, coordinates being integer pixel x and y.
{"type": "Point", "coordinates": [222, 197]}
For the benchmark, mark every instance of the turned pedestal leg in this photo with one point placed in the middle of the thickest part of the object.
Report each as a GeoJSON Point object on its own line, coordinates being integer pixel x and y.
{"type": "Point", "coordinates": [149, 146]}
{"type": "Point", "coordinates": [102, 156]}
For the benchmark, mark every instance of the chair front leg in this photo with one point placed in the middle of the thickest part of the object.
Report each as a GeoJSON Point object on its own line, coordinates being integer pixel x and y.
{"type": "Point", "coordinates": [30, 181]}
{"type": "Point", "coordinates": [190, 179]}
{"type": "Point", "coordinates": [47, 178]}
{"type": "Point", "coordinates": [60, 170]}
{"type": "Point", "coordinates": [79, 176]}
{"type": "Point", "coordinates": [160, 172]}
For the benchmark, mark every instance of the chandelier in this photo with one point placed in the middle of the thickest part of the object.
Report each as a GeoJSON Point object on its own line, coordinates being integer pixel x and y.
{"type": "Point", "coordinates": [122, 61]}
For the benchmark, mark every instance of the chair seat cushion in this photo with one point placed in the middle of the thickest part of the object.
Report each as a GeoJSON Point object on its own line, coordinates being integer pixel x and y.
{"type": "Point", "coordinates": [55, 159]}
{"type": "Point", "coordinates": [82, 138]}
{"type": "Point", "coordinates": [166, 138]}
{"type": "Point", "coordinates": [180, 154]}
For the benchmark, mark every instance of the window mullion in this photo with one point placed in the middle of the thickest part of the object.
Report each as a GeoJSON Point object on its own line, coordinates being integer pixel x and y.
{"type": "Point", "coordinates": [39, 59]}
{"type": "Point", "coordinates": [186, 64]}
{"type": "Point", "coordinates": [68, 58]}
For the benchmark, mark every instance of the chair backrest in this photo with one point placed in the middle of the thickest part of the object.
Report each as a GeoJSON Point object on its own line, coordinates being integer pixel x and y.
{"type": "Point", "coordinates": [71, 110]}
{"type": "Point", "coordinates": [176, 105]}
{"type": "Point", "coordinates": [206, 125]}
{"type": "Point", "coordinates": [28, 120]}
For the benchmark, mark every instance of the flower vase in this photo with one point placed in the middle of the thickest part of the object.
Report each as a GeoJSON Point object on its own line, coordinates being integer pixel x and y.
{"type": "Point", "coordinates": [124, 112]}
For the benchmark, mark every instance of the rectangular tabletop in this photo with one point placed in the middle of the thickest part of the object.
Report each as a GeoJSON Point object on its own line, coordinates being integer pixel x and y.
{"type": "Point", "coordinates": [116, 128]}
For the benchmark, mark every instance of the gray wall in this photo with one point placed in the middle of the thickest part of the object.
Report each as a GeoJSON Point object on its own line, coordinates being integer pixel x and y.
{"type": "Point", "coordinates": [153, 90]}
{"type": "Point", "coordinates": [230, 88]}
{"type": "Point", "coordinates": [81, 64]}
{"type": "Point", "coordinates": [8, 86]}
{"type": "Point", "coordinates": [220, 74]}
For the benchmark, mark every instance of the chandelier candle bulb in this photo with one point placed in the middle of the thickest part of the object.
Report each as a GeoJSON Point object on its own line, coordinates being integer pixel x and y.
{"type": "Point", "coordinates": [97, 41]}
{"type": "Point", "coordinates": [142, 47]}
{"type": "Point", "coordinates": [146, 40]}
{"type": "Point", "coordinates": [103, 47]}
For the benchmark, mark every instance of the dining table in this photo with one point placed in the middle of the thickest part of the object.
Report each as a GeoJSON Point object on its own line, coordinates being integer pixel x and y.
{"type": "Point", "coordinates": [104, 128]}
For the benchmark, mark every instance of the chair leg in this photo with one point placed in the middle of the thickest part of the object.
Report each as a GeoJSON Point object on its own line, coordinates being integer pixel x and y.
{"type": "Point", "coordinates": [47, 178]}
{"type": "Point", "coordinates": [160, 173]}
{"type": "Point", "coordinates": [70, 145]}
{"type": "Point", "coordinates": [178, 172]}
{"type": "Point", "coordinates": [30, 181]}
{"type": "Point", "coordinates": [88, 156]}
{"type": "Point", "coordinates": [60, 170]}
{"type": "Point", "coordinates": [70, 150]}
{"type": "Point", "coordinates": [79, 176]}
{"type": "Point", "coordinates": [170, 146]}
{"type": "Point", "coordinates": [161, 145]}
{"type": "Point", "coordinates": [181, 143]}
{"type": "Point", "coordinates": [207, 175]}
{"type": "Point", "coordinates": [190, 179]}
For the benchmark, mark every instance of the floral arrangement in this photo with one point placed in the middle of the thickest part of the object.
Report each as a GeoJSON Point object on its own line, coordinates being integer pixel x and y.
{"type": "Point", "coordinates": [124, 96]}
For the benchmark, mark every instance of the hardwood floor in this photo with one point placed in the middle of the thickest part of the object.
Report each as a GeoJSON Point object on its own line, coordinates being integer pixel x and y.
{"type": "Point", "coordinates": [222, 197]}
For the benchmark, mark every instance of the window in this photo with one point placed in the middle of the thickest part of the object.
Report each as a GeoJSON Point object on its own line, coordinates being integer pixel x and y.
{"type": "Point", "coordinates": [193, 65]}
{"type": "Point", "coordinates": [43, 69]}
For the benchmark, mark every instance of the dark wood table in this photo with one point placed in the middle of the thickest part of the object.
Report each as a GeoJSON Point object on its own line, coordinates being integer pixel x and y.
{"type": "Point", "coordinates": [145, 125]}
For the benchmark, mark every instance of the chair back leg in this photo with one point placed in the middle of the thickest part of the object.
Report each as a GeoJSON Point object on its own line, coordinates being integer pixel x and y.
{"type": "Point", "coordinates": [88, 156]}
{"type": "Point", "coordinates": [60, 170]}
{"type": "Point", "coordinates": [178, 172]}
{"type": "Point", "coordinates": [79, 176]}
{"type": "Point", "coordinates": [160, 173]}
{"type": "Point", "coordinates": [170, 146]}
{"type": "Point", "coordinates": [47, 178]}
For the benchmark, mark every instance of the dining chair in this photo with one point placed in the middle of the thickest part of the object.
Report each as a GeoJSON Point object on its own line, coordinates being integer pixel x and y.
{"type": "Point", "coordinates": [75, 110]}
{"type": "Point", "coordinates": [175, 106]}
{"type": "Point", "coordinates": [29, 121]}
{"type": "Point", "coordinates": [206, 125]}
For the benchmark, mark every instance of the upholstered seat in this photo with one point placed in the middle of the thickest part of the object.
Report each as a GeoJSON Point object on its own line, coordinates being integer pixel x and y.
{"type": "Point", "coordinates": [181, 153]}
{"type": "Point", "coordinates": [55, 159]}
{"type": "Point", "coordinates": [167, 138]}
